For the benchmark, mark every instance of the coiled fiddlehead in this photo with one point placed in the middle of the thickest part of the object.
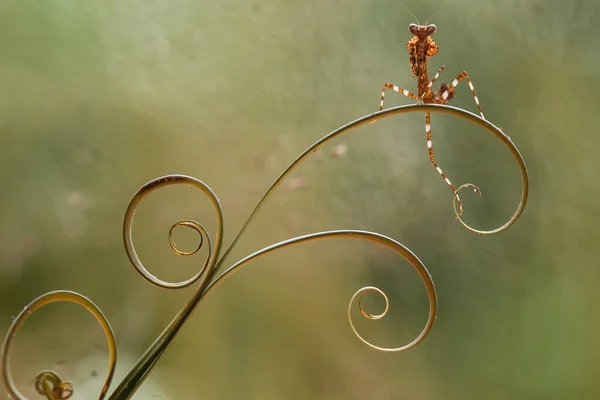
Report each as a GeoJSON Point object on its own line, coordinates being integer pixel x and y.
{"type": "Point", "coordinates": [207, 278]}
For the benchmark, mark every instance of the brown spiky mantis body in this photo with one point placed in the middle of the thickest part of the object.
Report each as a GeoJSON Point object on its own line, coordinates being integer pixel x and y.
{"type": "Point", "coordinates": [420, 47]}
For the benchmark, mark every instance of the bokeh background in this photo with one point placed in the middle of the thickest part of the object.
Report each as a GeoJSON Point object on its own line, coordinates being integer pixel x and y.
{"type": "Point", "coordinates": [99, 97]}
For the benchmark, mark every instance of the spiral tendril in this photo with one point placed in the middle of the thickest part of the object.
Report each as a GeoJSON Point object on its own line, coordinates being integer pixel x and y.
{"type": "Point", "coordinates": [49, 383]}
{"type": "Point", "coordinates": [364, 235]}
{"type": "Point", "coordinates": [456, 199]}
{"type": "Point", "coordinates": [370, 289]}
{"type": "Point", "coordinates": [212, 254]}
{"type": "Point", "coordinates": [368, 119]}
{"type": "Point", "coordinates": [361, 293]}
{"type": "Point", "coordinates": [458, 213]}
{"type": "Point", "coordinates": [190, 224]}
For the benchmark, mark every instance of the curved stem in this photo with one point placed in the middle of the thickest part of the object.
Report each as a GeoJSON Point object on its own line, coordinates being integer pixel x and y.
{"type": "Point", "coordinates": [445, 109]}
{"type": "Point", "coordinates": [355, 234]}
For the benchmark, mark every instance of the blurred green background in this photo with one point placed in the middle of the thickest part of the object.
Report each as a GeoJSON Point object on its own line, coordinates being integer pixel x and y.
{"type": "Point", "coordinates": [99, 97]}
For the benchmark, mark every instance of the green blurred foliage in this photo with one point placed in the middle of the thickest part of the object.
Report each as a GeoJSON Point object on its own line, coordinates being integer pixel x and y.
{"type": "Point", "coordinates": [98, 97]}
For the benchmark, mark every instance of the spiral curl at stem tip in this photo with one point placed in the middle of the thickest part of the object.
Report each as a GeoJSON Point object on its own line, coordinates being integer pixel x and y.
{"type": "Point", "coordinates": [49, 383]}
{"type": "Point", "coordinates": [212, 250]}
{"type": "Point", "coordinates": [373, 317]}
{"type": "Point", "coordinates": [369, 289]}
{"type": "Point", "coordinates": [458, 213]}
{"type": "Point", "coordinates": [214, 259]}
{"type": "Point", "coordinates": [190, 224]}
